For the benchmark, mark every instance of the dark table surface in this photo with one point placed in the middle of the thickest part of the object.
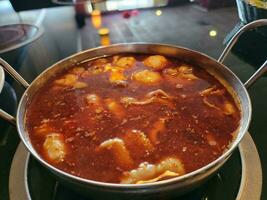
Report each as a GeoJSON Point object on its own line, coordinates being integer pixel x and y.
{"type": "Point", "coordinates": [185, 25]}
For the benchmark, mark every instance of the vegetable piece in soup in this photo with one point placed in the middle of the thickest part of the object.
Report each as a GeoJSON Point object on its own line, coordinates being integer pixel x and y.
{"type": "Point", "coordinates": [132, 119]}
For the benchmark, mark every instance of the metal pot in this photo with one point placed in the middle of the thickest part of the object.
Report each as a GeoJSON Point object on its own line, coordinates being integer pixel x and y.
{"type": "Point", "coordinates": [172, 186]}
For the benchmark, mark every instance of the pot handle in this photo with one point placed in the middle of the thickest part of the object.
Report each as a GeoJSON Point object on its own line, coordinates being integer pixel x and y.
{"type": "Point", "coordinates": [263, 68]}
{"type": "Point", "coordinates": [4, 115]}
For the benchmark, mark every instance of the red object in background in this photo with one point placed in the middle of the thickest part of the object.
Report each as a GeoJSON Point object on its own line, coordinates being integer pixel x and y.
{"type": "Point", "coordinates": [126, 14]}
{"type": "Point", "coordinates": [80, 7]}
{"type": "Point", "coordinates": [135, 12]}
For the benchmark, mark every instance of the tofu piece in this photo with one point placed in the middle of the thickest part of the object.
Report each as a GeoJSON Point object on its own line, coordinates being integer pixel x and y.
{"type": "Point", "coordinates": [54, 147]}
{"type": "Point", "coordinates": [118, 78]}
{"type": "Point", "coordinates": [125, 62]}
{"type": "Point", "coordinates": [67, 80]}
{"type": "Point", "coordinates": [156, 62]}
{"type": "Point", "coordinates": [71, 80]}
{"type": "Point", "coordinates": [147, 77]}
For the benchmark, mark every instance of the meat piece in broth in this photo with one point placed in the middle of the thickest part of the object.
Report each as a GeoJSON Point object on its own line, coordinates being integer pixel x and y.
{"type": "Point", "coordinates": [157, 128]}
{"type": "Point", "coordinates": [147, 77]}
{"type": "Point", "coordinates": [162, 97]}
{"type": "Point", "coordinates": [95, 102]}
{"type": "Point", "coordinates": [115, 108]}
{"type": "Point", "coordinates": [147, 173]}
{"type": "Point", "coordinates": [118, 78]}
{"type": "Point", "coordinates": [214, 98]}
{"type": "Point", "coordinates": [186, 72]}
{"type": "Point", "coordinates": [156, 62]}
{"type": "Point", "coordinates": [54, 147]}
{"type": "Point", "coordinates": [182, 76]}
{"type": "Point", "coordinates": [157, 96]}
{"type": "Point", "coordinates": [136, 139]}
{"type": "Point", "coordinates": [119, 151]}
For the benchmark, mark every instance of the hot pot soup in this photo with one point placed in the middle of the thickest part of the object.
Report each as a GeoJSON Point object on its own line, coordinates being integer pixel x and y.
{"type": "Point", "coordinates": [132, 118]}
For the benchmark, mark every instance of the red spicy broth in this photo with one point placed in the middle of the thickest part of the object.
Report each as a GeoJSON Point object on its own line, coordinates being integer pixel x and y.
{"type": "Point", "coordinates": [132, 118]}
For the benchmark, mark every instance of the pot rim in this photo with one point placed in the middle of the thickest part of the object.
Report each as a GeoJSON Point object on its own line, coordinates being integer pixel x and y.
{"type": "Point", "coordinates": [221, 159]}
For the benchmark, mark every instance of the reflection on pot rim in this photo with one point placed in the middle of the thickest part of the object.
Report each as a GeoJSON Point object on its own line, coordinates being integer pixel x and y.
{"type": "Point", "coordinates": [2, 78]}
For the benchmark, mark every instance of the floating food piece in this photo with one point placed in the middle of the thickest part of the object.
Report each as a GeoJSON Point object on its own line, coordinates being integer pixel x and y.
{"type": "Point", "coordinates": [153, 172]}
{"type": "Point", "coordinates": [96, 67]}
{"type": "Point", "coordinates": [100, 62]}
{"type": "Point", "coordinates": [212, 91]}
{"type": "Point", "coordinates": [119, 151]}
{"type": "Point", "coordinates": [116, 75]}
{"type": "Point", "coordinates": [112, 68]}
{"type": "Point", "coordinates": [115, 59]}
{"type": "Point", "coordinates": [80, 85]}
{"type": "Point", "coordinates": [94, 101]}
{"type": "Point", "coordinates": [118, 78]}
{"type": "Point", "coordinates": [94, 70]}
{"type": "Point", "coordinates": [167, 174]}
{"type": "Point", "coordinates": [162, 97]}
{"type": "Point", "coordinates": [227, 107]}
{"type": "Point", "coordinates": [54, 147]}
{"type": "Point", "coordinates": [133, 101]}
{"type": "Point", "coordinates": [156, 62]}
{"type": "Point", "coordinates": [139, 140]}
{"type": "Point", "coordinates": [67, 80]}
{"type": "Point", "coordinates": [186, 72]}
{"type": "Point", "coordinates": [115, 108]}
{"type": "Point", "coordinates": [183, 72]}
{"type": "Point", "coordinates": [147, 77]}
{"type": "Point", "coordinates": [43, 129]}
{"type": "Point", "coordinates": [157, 96]}
{"type": "Point", "coordinates": [125, 62]}
{"type": "Point", "coordinates": [77, 70]}
{"type": "Point", "coordinates": [159, 93]}
{"type": "Point", "coordinates": [71, 80]}
{"type": "Point", "coordinates": [158, 127]}
{"type": "Point", "coordinates": [211, 140]}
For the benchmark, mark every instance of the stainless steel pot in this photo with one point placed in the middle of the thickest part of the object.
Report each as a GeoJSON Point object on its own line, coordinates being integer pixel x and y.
{"type": "Point", "coordinates": [172, 186]}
